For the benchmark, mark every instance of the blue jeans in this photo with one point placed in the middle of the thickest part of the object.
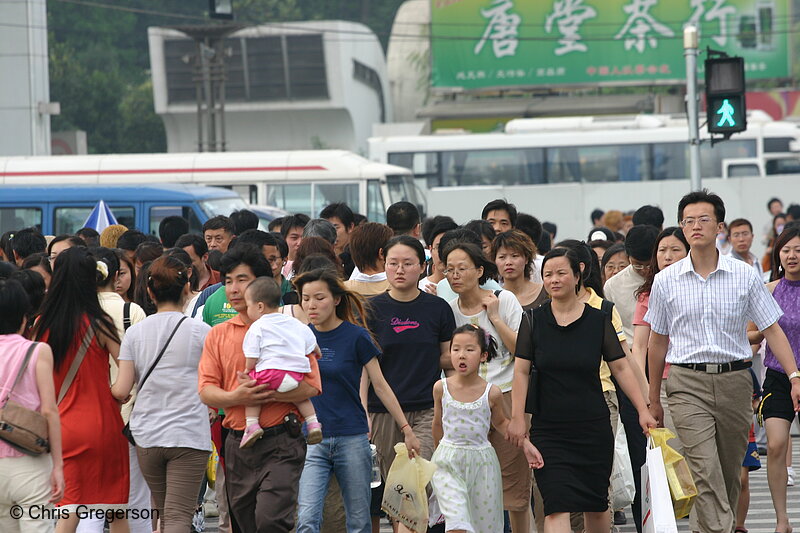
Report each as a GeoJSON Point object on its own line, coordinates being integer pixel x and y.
{"type": "Point", "coordinates": [350, 460]}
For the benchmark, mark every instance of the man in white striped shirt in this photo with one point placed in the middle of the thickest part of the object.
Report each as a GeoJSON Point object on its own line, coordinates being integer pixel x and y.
{"type": "Point", "coordinates": [698, 312]}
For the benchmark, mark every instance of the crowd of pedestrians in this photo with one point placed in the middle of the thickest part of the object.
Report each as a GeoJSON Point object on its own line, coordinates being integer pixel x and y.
{"type": "Point", "coordinates": [505, 356]}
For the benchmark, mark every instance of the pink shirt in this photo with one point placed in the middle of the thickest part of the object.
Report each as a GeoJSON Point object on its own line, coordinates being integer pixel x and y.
{"type": "Point", "coordinates": [13, 349]}
{"type": "Point", "coordinates": [638, 320]}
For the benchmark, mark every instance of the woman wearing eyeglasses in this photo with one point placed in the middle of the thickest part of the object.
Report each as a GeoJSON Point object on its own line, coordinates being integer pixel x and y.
{"type": "Point", "coordinates": [499, 313]}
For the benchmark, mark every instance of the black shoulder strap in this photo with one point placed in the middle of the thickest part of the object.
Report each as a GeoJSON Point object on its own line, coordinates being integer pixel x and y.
{"type": "Point", "coordinates": [161, 353]}
{"type": "Point", "coordinates": [497, 292]}
{"type": "Point", "coordinates": [126, 315]}
{"type": "Point", "coordinates": [21, 372]}
{"type": "Point", "coordinates": [607, 307]}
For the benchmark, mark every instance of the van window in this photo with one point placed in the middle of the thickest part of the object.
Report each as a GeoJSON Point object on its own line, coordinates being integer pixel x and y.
{"type": "Point", "coordinates": [16, 218]}
{"type": "Point", "coordinates": [71, 219]}
{"type": "Point", "coordinates": [311, 198]}
{"type": "Point", "coordinates": [376, 212]}
{"type": "Point", "coordinates": [160, 212]}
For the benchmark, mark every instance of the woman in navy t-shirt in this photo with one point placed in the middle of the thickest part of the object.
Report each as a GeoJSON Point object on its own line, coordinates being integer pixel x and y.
{"type": "Point", "coordinates": [348, 356]}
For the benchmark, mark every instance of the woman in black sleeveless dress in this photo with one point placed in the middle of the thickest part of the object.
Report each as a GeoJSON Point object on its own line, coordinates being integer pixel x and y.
{"type": "Point", "coordinates": [565, 340]}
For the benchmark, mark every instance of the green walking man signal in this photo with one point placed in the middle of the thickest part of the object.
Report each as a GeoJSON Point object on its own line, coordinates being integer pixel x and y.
{"type": "Point", "coordinates": [726, 112]}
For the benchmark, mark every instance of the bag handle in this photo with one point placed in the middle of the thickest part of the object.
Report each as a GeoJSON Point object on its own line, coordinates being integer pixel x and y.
{"type": "Point", "coordinates": [76, 363]}
{"type": "Point", "coordinates": [21, 372]}
{"type": "Point", "coordinates": [161, 353]}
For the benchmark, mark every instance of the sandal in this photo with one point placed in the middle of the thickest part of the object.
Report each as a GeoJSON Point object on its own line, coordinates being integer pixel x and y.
{"type": "Point", "coordinates": [740, 530]}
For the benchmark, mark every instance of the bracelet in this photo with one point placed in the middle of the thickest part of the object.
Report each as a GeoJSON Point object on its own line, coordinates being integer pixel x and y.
{"type": "Point", "coordinates": [795, 374]}
{"type": "Point", "coordinates": [403, 427]}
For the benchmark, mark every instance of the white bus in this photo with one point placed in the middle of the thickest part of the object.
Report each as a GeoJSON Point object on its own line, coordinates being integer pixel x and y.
{"type": "Point", "coordinates": [295, 181]}
{"type": "Point", "coordinates": [560, 169]}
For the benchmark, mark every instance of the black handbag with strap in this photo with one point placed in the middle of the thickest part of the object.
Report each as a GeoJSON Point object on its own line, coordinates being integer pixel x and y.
{"type": "Point", "coordinates": [127, 429]}
{"type": "Point", "coordinates": [22, 428]}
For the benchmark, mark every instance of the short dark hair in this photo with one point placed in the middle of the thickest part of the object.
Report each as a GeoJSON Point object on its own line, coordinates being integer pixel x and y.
{"type": "Point", "coordinates": [406, 240]}
{"type": "Point", "coordinates": [90, 236]}
{"type": "Point", "coordinates": [650, 215]}
{"type": "Point", "coordinates": [481, 228]}
{"type": "Point", "coordinates": [793, 211]}
{"type": "Point", "coordinates": [257, 237]}
{"type": "Point", "coordinates": [220, 222]}
{"type": "Point", "coordinates": [130, 240]}
{"type": "Point", "coordinates": [550, 228]}
{"type": "Point", "coordinates": [274, 223]}
{"type": "Point", "coordinates": [293, 221]}
{"type": "Point", "coordinates": [14, 306]}
{"type": "Point", "coordinates": [545, 243]}
{"type": "Point", "coordinates": [429, 223]}
{"type": "Point", "coordinates": [402, 217]}
{"type": "Point", "coordinates": [695, 197]}
{"type": "Point", "coordinates": [243, 220]}
{"type": "Point", "coordinates": [265, 290]}
{"type": "Point", "coordinates": [772, 201]}
{"type": "Point", "coordinates": [441, 227]}
{"type": "Point", "coordinates": [359, 219]}
{"type": "Point", "coordinates": [320, 227]}
{"type": "Point", "coordinates": [501, 205]}
{"type": "Point", "coordinates": [597, 214]}
{"type": "Point", "coordinates": [529, 225]}
{"type": "Point", "coordinates": [170, 228]}
{"type": "Point", "coordinates": [640, 241]}
{"type": "Point", "coordinates": [194, 240]}
{"type": "Point", "coordinates": [71, 239]}
{"type": "Point", "coordinates": [280, 242]}
{"type": "Point", "coordinates": [28, 241]}
{"type": "Point", "coordinates": [245, 254]}
{"type": "Point", "coordinates": [148, 251]}
{"type": "Point", "coordinates": [341, 211]}
{"type": "Point", "coordinates": [39, 259]}
{"type": "Point", "coordinates": [610, 252]}
{"type": "Point", "coordinates": [740, 222]}
{"type": "Point", "coordinates": [458, 234]}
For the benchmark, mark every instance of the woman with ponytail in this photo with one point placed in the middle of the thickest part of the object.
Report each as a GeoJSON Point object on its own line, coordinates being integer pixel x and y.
{"type": "Point", "coordinates": [349, 362]}
{"type": "Point", "coordinates": [168, 421]}
{"type": "Point", "coordinates": [82, 337]}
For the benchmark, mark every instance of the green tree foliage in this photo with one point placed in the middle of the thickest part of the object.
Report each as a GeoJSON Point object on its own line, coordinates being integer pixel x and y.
{"type": "Point", "coordinates": [99, 58]}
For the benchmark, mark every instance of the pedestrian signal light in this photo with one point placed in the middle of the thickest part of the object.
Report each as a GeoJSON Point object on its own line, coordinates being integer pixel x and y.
{"type": "Point", "coordinates": [726, 111]}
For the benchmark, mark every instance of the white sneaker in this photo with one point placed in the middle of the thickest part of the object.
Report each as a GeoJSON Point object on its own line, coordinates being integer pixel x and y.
{"type": "Point", "coordinates": [789, 476]}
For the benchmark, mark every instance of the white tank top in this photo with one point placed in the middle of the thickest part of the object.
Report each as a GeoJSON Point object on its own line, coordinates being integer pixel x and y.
{"type": "Point", "coordinates": [466, 425]}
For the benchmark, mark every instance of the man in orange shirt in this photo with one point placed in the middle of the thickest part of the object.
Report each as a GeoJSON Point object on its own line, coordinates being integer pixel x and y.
{"type": "Point", "coordinates": [261, 481]}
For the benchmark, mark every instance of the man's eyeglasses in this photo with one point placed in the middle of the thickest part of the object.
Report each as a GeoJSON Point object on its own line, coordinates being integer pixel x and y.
{"type": "Point", "coordinates": [689, 222]}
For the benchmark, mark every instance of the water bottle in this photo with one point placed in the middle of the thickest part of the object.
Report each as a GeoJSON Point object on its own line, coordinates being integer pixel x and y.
{"type": "Point", "coordinates": [376, 469]}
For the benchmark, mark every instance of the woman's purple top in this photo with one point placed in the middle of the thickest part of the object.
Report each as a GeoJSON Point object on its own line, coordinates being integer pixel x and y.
{"type": "Point", "coordinates": [787, 294]}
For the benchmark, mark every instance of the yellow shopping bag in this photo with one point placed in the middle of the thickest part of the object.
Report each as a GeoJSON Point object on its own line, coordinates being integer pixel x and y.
{"type": "Point", "coordinates": [681, 485]}
{"type": "Point", "coordinates": [211, 466]}
{"type": "Point", "coordinates": [404, 497]}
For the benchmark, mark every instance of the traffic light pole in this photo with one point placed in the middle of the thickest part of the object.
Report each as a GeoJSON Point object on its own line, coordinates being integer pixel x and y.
{"type": "Point", "coordinates": [690, 52]}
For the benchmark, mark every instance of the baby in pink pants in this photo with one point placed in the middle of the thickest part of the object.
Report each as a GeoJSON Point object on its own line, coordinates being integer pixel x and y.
{"type": "Point", "coordinates": [276, 350]}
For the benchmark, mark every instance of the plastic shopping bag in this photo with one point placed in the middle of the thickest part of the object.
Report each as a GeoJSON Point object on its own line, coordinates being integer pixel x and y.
{"type": "Point", "coordinates": [211, 466]}
{"type": "Point", "coordinates": [404, 497]}
{"type": "Point", "coordinates": [623, 488]}
{"type": "Point", "coordinates": [679, 478]}
{"type": "Point", "coordinates": [657, 513]}
{"type": "Point", "coordinates": [435, 516]}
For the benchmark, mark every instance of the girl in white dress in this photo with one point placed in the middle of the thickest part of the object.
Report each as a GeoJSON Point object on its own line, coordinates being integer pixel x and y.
{"type": "Point", "coordinates": [467, 482]}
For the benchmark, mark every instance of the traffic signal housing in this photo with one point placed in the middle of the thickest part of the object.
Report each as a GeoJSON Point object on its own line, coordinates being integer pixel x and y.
{"type": "Point", "coordinates": [726, 112]}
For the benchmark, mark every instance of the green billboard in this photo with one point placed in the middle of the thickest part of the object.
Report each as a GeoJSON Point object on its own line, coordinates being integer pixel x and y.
{"type": "Point", "coordinates": [478, 44]}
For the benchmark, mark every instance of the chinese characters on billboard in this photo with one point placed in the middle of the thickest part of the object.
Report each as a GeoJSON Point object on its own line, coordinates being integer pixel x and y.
{"type": "Point", "coordinates": [504, 43]}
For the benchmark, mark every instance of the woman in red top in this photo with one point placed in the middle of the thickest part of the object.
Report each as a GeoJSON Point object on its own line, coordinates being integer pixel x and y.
{"type": "Point", "coordinates": [95, 452]}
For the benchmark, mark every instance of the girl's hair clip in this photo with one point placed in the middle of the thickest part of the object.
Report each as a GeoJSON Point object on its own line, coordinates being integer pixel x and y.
{"type": "Point", "coordinates": [102, 269]}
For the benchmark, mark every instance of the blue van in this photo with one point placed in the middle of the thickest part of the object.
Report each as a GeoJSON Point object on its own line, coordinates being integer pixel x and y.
{"type": "Point", "coordinates": [56, 209]}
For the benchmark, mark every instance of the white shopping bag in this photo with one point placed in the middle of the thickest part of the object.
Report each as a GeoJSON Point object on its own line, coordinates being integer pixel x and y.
{"type": "Point", "coordinates": [623, 488]}
{"type": "Point", "coordinates": [657, 513]}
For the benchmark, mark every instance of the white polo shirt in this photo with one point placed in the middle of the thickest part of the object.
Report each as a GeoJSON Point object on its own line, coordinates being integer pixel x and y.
{"type": "Point", "coordinates": [706, 319]}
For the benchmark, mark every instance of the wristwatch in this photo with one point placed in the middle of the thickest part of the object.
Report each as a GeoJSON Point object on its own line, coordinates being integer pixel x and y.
{"type": "Point", "coordinates": [795, 374]}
